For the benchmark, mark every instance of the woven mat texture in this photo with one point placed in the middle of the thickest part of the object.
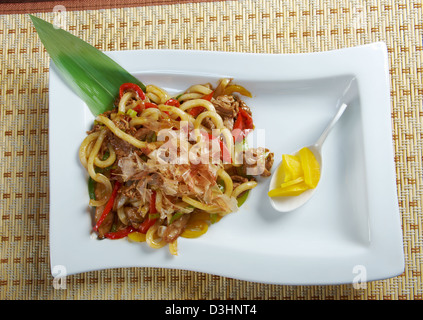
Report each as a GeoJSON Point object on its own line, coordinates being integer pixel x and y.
{"type": "Point", "coordinates": [290, 26]}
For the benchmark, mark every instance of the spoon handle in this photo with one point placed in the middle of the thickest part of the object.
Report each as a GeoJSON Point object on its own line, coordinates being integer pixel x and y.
{"type": "Point", "coordinates": [335, 119]}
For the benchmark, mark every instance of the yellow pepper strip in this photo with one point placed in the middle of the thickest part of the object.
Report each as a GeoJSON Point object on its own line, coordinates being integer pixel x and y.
{"type": "Point", "coordinates": [205, 216]}
{"type": "Point", "coordinates": [194, 229]}
{"type": "Point", "coordinates": [137, 236]}
{"type": "Point", "coordinates": [201, 215]}
{"type": "Point", "coordinates": [173, 247]}
{"type": "Point", "coordinates": [237, 88]}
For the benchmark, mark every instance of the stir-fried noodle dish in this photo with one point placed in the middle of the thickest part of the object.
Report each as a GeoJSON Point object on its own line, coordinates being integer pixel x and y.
{"type": "Point", "coordinates": [162, 167]}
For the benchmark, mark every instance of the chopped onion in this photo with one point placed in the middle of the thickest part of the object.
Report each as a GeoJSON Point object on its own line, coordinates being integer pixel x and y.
{"type": "Point", "coordinates": [221, 86]}
{"type": "Point", "coordinates": [161, 230]}
{"type": "Point", "coordinates": [122, 216]}
{"type": "Point", "coordinates": [120, 201]}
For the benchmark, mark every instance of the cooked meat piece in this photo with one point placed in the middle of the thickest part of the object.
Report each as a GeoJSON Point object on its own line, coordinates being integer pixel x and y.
{"type": "Point", "coordinates": [121, 147]}
{"type": "Point", "coordinates": [175, 229]}
{"type": "Point", "coordinates": [225, 106]}
{"type": "Point", "coordinates": [95, 128]}
{"type": "Point", "coordinates": [122, 123]}
{"type": "Point", "coordinates": [265, 173]}
{"type": "Point", "coordinates": [142, 133]}
{"type": "Point", "coordinates": [228, 123]}
{"type": "Point", "coordinates": [106, 226]}
{"type": "Point", "coordinates": [131, 191]}
{"type": "Point", "coordinates": [134, 216]}
{"type": "Point", "coordinates": [237, 180]}
{"type": "Point", "coordinates": [269, 162]}
{"type": "Point", "coordinates": [257, 162]}
{"type": "Point", "coordinates": [208, 124]}
{"type": "Point", "coordinates": [245, 107]}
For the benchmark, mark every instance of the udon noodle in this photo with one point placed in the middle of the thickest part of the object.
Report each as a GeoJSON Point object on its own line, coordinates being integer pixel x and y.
{"type": "Point", "coordinates": [162, 167]}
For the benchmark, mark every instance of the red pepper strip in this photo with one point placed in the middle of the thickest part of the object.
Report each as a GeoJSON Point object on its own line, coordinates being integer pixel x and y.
{"type": "Point", "coordinates": [197, 110]}
{"type": "Point", "coordinates": [242, 125]}
{"type": "Point", "coordinates": [120, 234]}
{"type": "Point", "coordinates": [247, 120]}
{"type": "Point", "coordinates": [109, 206]}
{"type": "Point", "coordinates": [172, 102]}
{"type": "Point", "coordinates": [209, 96]}
{"type": "Point", "coordinates": [226, 156]}
{"type": "Point", "coordinates": [153, 202]}
{"type": "Point", "coordinates": [137, 108]}
{"type": "Point", "coordinates": [145, 105]}
{"type": "Point", "coordinates": [150, 105]}
{"type": "Point", "coordinates": [147, 223]}
{"type": "Point", "coordinates": [238, 122]}
{"type": "Point", "coordinates": [131, 86]}
{"type": "Point", "coordinates": [237, 129]}
{"type": "Point", "coordinates": [224, 152]}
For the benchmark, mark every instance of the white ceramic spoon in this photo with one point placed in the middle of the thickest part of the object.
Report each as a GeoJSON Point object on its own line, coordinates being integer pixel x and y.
{"type": "Point", "coordinates": [289, 203]}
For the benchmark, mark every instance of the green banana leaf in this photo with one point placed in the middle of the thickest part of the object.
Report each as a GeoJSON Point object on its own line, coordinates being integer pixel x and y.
{"type": "Point", "coordinates": [92, 75]}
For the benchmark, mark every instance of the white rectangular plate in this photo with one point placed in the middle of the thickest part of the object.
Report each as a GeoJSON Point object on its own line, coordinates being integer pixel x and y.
{"type": "Point", "coordinates": [348, 232]}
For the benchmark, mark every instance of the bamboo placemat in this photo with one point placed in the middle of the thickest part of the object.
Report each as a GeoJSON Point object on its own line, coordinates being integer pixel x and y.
{"type": "Point", "coordinates": [290, 26]}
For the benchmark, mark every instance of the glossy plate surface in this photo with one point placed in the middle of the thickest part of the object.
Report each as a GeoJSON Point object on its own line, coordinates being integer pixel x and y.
{"type": "Point", "coordinates": [348, 232]}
